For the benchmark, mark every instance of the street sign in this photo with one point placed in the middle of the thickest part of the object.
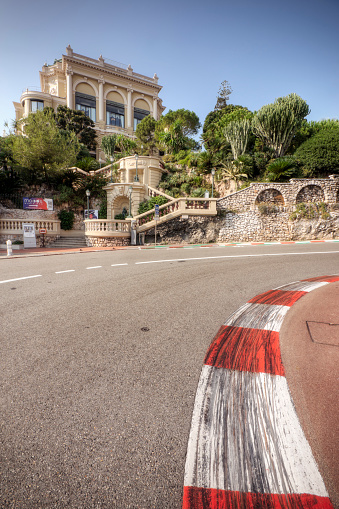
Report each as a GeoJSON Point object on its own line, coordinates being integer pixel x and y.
{"type": "Point", "coordinates": [156, 212]}
{"type": "Point", "coordinates": [42, 230]}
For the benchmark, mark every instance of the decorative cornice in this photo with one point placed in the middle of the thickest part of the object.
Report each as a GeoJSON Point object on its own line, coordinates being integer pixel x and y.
{"type": "Point", "coordinates": [98, 67]}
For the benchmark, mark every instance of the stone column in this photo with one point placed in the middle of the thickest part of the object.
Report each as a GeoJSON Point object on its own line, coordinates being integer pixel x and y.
{"type": "Point", "coordinates": [69, 87]}
{"type": "Point", "coordinates": [27, 101]}
{"type": "Point", "coordinates": [101, 100]}
{"type": "Point", "coordinates": [129, 123]}
{"type": "Point", "coordinates": [155, 108]}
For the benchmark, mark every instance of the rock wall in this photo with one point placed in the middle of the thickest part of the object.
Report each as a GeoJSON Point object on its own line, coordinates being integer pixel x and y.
{"type": "Point", "coordinates": [249, 226]}
{"type": "Point", "coordinates": [283, 194]}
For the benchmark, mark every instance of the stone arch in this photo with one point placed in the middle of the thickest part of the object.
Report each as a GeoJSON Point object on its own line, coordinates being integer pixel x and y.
{"type": "Point", "coordinates": [118, 204]}
{"type": "Point", "coordinates": [142, 103]}
{"type": "Point", "coordinates": [310, 194]}
{"type": "Point", "coordinates": [116, 96]}
{"type": "Point", "coordinates": [270, 195]}
{"type": "Point", "coordinates": [84, 87]}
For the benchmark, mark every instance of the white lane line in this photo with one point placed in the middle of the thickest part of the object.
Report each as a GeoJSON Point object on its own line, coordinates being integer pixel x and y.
{"type": "Point", "coordinates": [20, 278]}
{"type": "Point", "coordinates": [118, 264]}
{"type": "Point", "coordinates": [235, 256]}
{"type": "Point", "coordinates": [96, 267]}
{"type": "Point", "coordinates": [64, 271]}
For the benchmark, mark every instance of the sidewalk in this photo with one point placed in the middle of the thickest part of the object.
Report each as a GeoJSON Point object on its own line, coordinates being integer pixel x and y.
{"type": "Point", "coordinates": [48, 251]}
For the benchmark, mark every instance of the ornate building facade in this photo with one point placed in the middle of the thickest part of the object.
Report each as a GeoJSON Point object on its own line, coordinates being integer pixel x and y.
{"type": "Point", "coordinates": [110, 93]}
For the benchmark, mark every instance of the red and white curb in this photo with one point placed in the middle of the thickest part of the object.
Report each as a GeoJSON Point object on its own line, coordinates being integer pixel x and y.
{"type": "Point", "coordinates": [246, 447]}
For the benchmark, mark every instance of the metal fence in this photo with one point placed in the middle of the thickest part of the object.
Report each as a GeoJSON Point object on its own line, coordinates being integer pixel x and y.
{"type": "Point", "coordinates": [11, 200]}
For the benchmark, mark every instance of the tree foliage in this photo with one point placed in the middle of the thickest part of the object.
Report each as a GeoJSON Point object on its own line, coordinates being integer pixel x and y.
{"type": "Point", "coordinates": [189, 121]}
{"type": "Point", "coordinates": [125, 145]}
{"type": "Point", "coordinates": [77, 122]}
{"type": "Point", "coordinates": [277, 123]}
{"type": "Point", "coordinates": [234, 171]}
{"type": "Point", "coordinates": [225, 91]}
{"type": "Point", "coordinates": [145, 133]}
{"type": "Point", "coordinates": [282, 169]}
{"type": "Point", "coordinates": [44, 148]}
{"type": "Point", "coordinates": [215, 122]}
{"type": "Point", "coordinates": [108, 144]}
{"type": "Point", "coordinates": [172, 139]}
{"type": "Point", "coordinates": [320, 153]}
{"type": "Point", "coordinates": [236, 133]}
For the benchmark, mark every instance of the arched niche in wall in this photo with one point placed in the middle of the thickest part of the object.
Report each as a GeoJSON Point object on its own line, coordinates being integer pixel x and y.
{"type": "Point", "coordinates": [310, 194]}
{"type": "Point", "coordinates": [85, 88]}
{"type": "Point", "coordinates": [116, 97]}
{"type": "Point", "coordinates": [119, 204]}
{"type": "Point", "coordinates": [270, 195]}
{"type": "Point", "coordinates": [142, 104]}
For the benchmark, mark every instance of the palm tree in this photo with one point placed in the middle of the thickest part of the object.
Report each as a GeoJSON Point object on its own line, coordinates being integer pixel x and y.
{"type": "Point", "coordinates": [233, 171]}
{"type": "Point", "coordinates": [281, 169]}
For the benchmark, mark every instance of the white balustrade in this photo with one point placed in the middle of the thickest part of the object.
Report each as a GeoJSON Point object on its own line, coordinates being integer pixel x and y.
{"type": "Point", "coordinates": [15, 226]}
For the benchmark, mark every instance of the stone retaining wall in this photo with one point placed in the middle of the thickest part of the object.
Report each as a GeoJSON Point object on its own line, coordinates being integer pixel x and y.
{"type": "Point", "coordinates": [287, 195]}
{"type": "Point", "coordinates": [249, 226]}
{"type": "Point", "coordinates": [107, 241]}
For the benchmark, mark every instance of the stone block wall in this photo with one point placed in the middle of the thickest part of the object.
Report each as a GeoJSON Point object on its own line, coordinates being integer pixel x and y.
{"type": "Point", "coordinates": [282, 194]}
{"type": "Point", "coordinates": [107, 241]}
{"type": "Point", "coordinates": [248, 226]}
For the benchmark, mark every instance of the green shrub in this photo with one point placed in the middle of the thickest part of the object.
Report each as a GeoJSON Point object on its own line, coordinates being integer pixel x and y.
{"type": "Point", "coordinates": [103, 209]}
{"type": "Point", "coordinates": [66, 219]}
{"type": "Point", "coordinates": [267, 208]}
{"type": "Point", "coordinates": [185, 188]}
{"type": "Point", "coordinates": [310, 211]}
{"type": "Point", "coordinates": [149, 204]}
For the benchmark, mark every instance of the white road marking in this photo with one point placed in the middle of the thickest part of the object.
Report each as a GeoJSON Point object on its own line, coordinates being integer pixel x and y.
{"type": "Point", "coordinates": [97, 267]}
{"type": "Point", "coordinates": [118, 264]}
{"type": "Point", "coordinates": [64, 271]}
{"type": "Point", "coordinates": [20, 278]}
{"type": "Point", "coordinates": [235, 256]}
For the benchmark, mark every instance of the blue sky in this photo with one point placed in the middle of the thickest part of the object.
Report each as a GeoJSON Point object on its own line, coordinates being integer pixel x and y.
{"type": "Point", "coordinates": [264, 48]}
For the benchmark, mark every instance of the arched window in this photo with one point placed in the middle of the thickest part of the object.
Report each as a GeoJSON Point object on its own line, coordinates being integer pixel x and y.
{"type": "Point", "coordinates": [138, 116]}
{"type": "Point", "coordinates": [87, 104]}
{"type": "Point", "coordinates": [115, 114]}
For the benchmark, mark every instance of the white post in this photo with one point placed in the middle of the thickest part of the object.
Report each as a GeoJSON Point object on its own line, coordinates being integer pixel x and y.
{"type": "Point", "coordinates": [9, 247]}
{"type": "Point", "coordinates": [155, 108]}
{"type": "Point", "coordinates": [129, 107]}
{"type": "Point", "coordinates": [69, 88]}
{"type": "Point", "coordinates": [101, 100]}
{"type": "Point", "coordinates": [27, 101]}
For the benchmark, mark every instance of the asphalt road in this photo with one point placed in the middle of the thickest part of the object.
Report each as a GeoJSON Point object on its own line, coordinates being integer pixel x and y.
{"type": "Point", "coordinates": [100, 359]}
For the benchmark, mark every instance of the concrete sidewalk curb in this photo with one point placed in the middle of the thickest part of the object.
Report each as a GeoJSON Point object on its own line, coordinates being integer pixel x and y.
{"type": "Point", "coordinates": [49, 251]}
{"type": "Point", "coordinates": [246, 446]}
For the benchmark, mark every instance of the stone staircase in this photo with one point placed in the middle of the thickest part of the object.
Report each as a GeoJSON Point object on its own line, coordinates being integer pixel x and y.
{"type": "Point", "coordinates": [70, 242]}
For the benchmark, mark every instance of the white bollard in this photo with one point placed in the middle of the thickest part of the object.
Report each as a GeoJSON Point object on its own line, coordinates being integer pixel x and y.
{"type": "Point", "coordinates": [9, 247]}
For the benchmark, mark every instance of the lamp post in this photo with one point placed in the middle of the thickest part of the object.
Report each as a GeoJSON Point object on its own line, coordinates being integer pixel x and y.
{"type": "Point", "coordinates": [213, 173]}
{"type": "Point", "coordinates": [136, 178]}
{"type": "Point", "coordinates": [130, 191]}
{"type": "Point", "coordinates": [88, 194]}
{"type": "Point", "coordinates": [112, 159]}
